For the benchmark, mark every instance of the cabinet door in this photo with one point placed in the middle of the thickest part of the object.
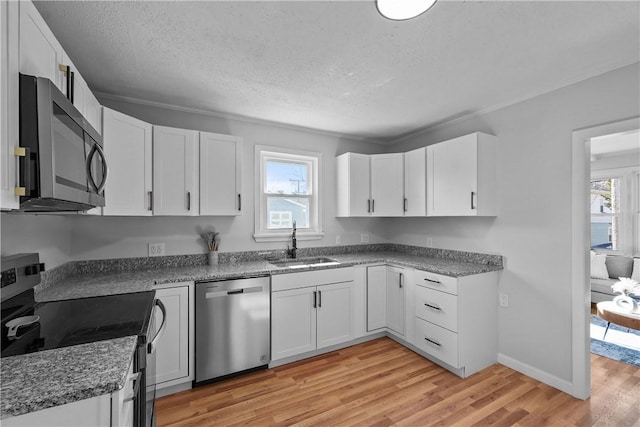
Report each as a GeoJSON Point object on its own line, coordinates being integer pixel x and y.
{"type": "Point", "coordinates": [220, 174]}
{"type": "Point", "coordinates": [9, 102]}
{"type": "Point", "coordinates": [352, 181]}
{"type": "Point", "coordinates": [175, 171]}
{"type": "Point", "coordinates": [127, 147]}
{"type": "Point", "coordinates": [387, 178]}
{"type": "Point", "coordinates": [415, 182]}
{"type": "Point", "coordinates": [172, 357]}
{"type": "Point", "coordinates": [334, 314]}
{"type": "Point", "coordinates": [293, 322]}
{"type": "Point", "coordinates": [376, 297]}
{"type": "Point", "coordinates": [395, 299]}
{"type": "Point", "coordinates": [40, 52]}
{"type": "Point", "coordinates": [452, 177]}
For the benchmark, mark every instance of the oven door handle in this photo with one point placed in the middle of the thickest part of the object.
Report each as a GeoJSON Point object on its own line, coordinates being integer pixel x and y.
{"type": "Point", "coordinates": [154, 342]}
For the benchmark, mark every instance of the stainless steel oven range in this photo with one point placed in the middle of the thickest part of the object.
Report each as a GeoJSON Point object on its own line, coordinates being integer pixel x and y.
{"type": "Point", "coordinates": [29, 326]}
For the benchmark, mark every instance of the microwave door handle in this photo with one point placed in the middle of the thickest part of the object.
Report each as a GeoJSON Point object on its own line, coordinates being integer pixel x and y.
{"type": "Point", "coordinates": [105, 169]}
{"type": "Point", "coordinates": [153, 343]}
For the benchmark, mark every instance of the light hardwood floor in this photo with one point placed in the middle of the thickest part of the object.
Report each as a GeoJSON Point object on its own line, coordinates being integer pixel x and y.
{"type": "Point", "coordinates": [381, 383]}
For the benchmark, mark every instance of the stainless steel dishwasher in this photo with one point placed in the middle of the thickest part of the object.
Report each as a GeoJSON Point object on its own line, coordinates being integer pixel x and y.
{"type": "Point", "coordinates": [232, 327]}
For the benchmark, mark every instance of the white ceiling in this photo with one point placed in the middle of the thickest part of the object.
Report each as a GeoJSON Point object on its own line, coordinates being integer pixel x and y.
{"type": "Point", "coordinates": [339, 66]}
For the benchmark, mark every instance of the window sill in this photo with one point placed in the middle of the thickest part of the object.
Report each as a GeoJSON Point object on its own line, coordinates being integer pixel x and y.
{"type": "Point", "coordinates": [285, 237]}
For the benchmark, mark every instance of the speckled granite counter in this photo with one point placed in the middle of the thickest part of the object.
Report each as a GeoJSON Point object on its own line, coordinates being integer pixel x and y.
{"type": "Point", "coordinates": [88, 284]}
{"type": "Point", "coordinates": [41, 380]}
{"type": "Point", "coordinates": [55, 377]}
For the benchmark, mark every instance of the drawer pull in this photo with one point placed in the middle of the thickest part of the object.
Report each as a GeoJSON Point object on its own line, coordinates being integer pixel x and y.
{"type": "Point", "coordinates": [433, 281]}
{"type": "Point", "coordinates": [435, 307]}
{"type": "Point", "coordinates": [434, 342]}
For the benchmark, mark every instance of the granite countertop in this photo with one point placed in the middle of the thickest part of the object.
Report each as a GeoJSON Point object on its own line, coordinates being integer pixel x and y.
{"type": "Point", "coordinates": [44, 379]}
{"type": "Point", "coordinates": [40, 380]}
{"type": "Point", "coordinates": [108, 283]}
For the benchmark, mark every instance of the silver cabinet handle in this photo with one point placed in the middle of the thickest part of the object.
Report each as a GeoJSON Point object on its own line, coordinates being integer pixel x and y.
{"type": "Point", "coordinates": [473, 196]}
{"type": "Point", "coordinates": [150, 193]}
{"type": "Point", "coordinates": [373, 205]}
{"type": "Point", "coordinates": [433, 281]}
{"type": "Point", "coordinates": [188, 200]}
{"type": "Point", "coordinates": [136, 386]}
{"type": "Point", "coordinates": [401, 279]}
{"type": "Point", "coordinates": [319, 299]}
{"type": "Point", "coordinates": [435, 307]}
{"type": "Point", "coordinates": [239, 202]}
{"type": "Point", "coordinates": [315, 300]}
{"type": "Point", "coordinates": [432, 341]}
{"type": "Point", "coordinates": [404, 204]}
{"type": "Point", "coordinates": [368, 205]}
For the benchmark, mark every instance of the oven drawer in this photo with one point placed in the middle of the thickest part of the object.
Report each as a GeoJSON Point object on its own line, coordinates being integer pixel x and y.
{"type": "Point", "coordinates": [437, 281]}
{"type": "Point", "coordinates": [437, 307]}
{"type": "Point", "coordinates": [436, 341]}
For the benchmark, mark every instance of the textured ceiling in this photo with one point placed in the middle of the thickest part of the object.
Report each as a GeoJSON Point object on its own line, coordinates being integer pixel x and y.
{"type": "Point", "coordinates": [338, 66]}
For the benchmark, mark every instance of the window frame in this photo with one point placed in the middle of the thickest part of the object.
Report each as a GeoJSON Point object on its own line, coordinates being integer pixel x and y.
{"type": "Point", "coordinates": [265, 153]}
{"type": "Point", "coordinates": [629, 209]}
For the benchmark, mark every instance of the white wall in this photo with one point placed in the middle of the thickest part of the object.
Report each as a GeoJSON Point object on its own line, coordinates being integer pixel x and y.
{"type": "Point", "coordinates": [50, 235]}
{"type": "Point", "coordinates": [533, 228]}
{"type": "Point", "coordinates": [116, 237]}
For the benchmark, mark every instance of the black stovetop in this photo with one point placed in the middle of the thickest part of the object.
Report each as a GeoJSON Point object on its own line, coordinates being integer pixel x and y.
{"type": "Point", "coordinates": [77, 321]}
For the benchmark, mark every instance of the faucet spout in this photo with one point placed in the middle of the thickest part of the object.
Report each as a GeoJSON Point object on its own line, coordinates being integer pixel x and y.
{"type": "Point", "coordinates": [292, 252]}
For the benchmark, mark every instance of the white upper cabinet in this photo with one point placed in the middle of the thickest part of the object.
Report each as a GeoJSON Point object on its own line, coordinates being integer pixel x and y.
{"type": "Point", "coordinates": [461, 177]}
{"type": "Point", "coordinates": [128, 149]}
{"type": "Point", "coordinates": [175, 171]}
{"type": "Point", "coordinates": [9, 102]}
{"type": "Point", "coordinates": [84, 100]}
{"type": "Point", "coordinates": [353, 190]}
{"type": "Point", "coordinates": [40, 52]}
{"type": "Point", "coordinates": [369, 185]}
{"type": "Point", "coordinates": [220, 174]}
{"type": "Point", "coordinates": [415, 182]}
{"type": "Point", "coordinates": [387, 179]}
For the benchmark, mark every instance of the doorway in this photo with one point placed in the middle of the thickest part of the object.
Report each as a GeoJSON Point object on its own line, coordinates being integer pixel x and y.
{"type": "Point", "coordinates": [581, 243]}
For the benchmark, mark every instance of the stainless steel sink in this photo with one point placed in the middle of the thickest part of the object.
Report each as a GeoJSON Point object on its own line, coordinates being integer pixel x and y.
{"type": "Point", "coordinates": [303, 262]}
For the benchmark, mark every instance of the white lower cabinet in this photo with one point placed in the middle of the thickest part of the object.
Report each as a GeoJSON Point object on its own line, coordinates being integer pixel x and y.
{"type": "Point", "coordinates": [386, 298]}
{"type": "Point", "coordinates": [456, 320]}
{"type": "Point", "coordinates": [311, 310]}
{"type": "Point", "coordinates": [174, 364]}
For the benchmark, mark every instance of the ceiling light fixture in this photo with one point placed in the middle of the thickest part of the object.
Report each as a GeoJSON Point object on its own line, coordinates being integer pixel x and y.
{"type": "Point", "coordinates": [401, 10]}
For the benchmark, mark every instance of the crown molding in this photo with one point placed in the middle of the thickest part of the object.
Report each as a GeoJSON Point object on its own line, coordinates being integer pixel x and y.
{"type": "Point", "coordinates": [235, 117]}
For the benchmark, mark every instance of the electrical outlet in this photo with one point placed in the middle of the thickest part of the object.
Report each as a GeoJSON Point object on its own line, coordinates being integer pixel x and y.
{"type": "Point", "coordinates": [156, 249]}
{"type": "Point", "coordinates": [364, 238]}
{"type": "Point", "coordinates": [503, 300]}
{"type": "Point", "coordinates": [338, 239]}
{"type": "Point", "coordinates": [429, 242]}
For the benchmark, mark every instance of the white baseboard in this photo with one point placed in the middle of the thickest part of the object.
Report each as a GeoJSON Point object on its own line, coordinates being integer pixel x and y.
{"type": "Point", "coordinates": [542, 376]}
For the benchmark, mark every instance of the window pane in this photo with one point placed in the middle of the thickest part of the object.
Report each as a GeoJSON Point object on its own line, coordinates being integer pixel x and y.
{"type": "Point", "coordinates": [282, 211]}
{"type": "Point", "coordinates": [605, 208]}
{"type": "Point", "coordinates": [287, 178]}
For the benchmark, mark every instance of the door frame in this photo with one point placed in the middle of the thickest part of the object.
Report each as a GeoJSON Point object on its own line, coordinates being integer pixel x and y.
{"type": "Point", "coordinates": [580, 245]}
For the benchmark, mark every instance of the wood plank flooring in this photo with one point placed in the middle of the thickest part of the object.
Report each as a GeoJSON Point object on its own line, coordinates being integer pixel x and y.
{"type": "Point", "coordinates": [381, 383]}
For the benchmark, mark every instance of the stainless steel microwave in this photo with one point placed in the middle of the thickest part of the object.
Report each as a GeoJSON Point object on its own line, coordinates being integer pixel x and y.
{"type": "Point", "coordinates": [62, 162]}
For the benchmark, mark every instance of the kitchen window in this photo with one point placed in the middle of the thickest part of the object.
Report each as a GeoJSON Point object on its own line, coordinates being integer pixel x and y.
{"type": "Point", "coordinates": [287, 190]}
{"type": "Point", "coordinates": [615, 211]}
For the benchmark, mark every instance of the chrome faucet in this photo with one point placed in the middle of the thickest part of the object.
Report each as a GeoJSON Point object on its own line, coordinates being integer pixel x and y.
{"type": "Point", "coordinates": [292, 251]}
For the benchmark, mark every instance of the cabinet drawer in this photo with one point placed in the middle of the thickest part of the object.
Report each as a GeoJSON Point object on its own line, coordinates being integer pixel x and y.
{"type": "Point", "coordinates": [437, 281]}
{"type": "Point", "coordinates": [436, 341]}
{"type": "Point", "coordinates": [437, 307]}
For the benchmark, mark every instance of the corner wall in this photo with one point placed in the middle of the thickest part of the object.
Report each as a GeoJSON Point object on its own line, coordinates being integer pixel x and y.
{"type": "Point", "coordinates": [533, 228]}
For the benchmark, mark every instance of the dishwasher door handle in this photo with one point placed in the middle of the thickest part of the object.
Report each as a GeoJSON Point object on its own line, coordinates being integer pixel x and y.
{"type": "Point", "coordinates": [224, 293]}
